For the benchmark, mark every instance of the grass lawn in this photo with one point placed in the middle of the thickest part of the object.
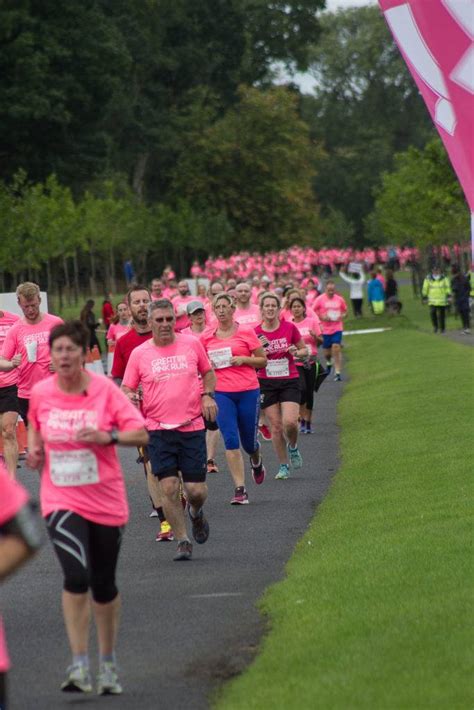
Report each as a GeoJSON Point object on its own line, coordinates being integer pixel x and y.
{"type": "Point", "coordinates": [376, 608]}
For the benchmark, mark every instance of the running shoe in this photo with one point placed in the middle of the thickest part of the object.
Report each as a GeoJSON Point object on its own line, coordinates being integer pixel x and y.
{"type": "Point", "coordinates": [296, 460]}
{"type": "Point", "coordinates": [184, 551]}
{"type": "Point", "coordinates": [265, 432]}
{"type": "Point", "coordinates": [107, 680]}
{"type": "Point", "coordinates": [302, 426]}
{"type": "Point", "coordinates": [200, 527]}
{"type": "Point", "coordinates": [283, 472]}
{"type": "Point", "coordinates": [153, 514]}
{"type": "Point", "coordinates": [258, 472]}
{"type": "Point", "coordinates": [337, 377]}
{"type": "Point", "coordinates": [212, 466]}
{"type": "Point", "coordinates": [309, 429]}
{"type": "Point", "coordinates": [328, 365]}
{"type": "Point", "coordinates": [78, 679]}
{"type": "Point", "coordinates": [240, 497]}
{"type": "Point", "coordinates": [165, 534]}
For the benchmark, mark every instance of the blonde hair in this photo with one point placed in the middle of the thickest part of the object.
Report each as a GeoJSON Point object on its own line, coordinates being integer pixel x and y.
{"type": "Point", "coordinates": [269, 294]}
{"type": "Point", "coordinates": [28, 290]}
{"type": "Point", "coordinates": [225, 295]}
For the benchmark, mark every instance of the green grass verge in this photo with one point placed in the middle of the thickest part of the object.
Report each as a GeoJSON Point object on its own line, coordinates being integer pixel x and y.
{"type": "Point", "coordinates": [377, 602]}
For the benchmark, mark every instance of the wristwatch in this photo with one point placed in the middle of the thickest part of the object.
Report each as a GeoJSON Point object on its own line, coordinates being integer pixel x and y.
{"type": "Point", "coordinates": [113, 437]}
{"type": "Point", "coordinates": [209, 394]}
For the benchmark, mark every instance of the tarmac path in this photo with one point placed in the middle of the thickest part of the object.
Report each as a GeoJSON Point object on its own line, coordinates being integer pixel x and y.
{"type": "Point", "coordinates": [186, 627]}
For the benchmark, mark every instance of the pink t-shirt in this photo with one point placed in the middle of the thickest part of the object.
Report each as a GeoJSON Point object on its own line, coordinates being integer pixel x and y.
{"type": "Point", "coordinates": [22, 336]}
{"type": "Point", "coordinates": [169, 376]}
{"type": "Point", "coordinates": [12, 498]}
{"type": "Point", "coordinates": [180, 303]}
{"type": "Point", "coordinates": [116, 330]}
{"type": "Point", "coordinates": [304, 326]}
{"type": "Point", "coordinates": [8, 319]}
{"type": "Point", "coordinates": [248, 316]}
{"type": "Point", "coordinates": [84, 478]}
{"type": "Point", "coordinates": [232, 378]}
{"type": "Point", "coordinates": [281, 364]}
{"type": "Point", "coordinates": [332, 308]}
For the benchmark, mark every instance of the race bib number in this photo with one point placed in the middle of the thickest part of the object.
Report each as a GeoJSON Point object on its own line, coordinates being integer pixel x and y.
{"type": "Point", "coordinates": [278, 368]}
{"type": "Point", "coordinates": [334, 315]}
{"type": "Point", "coordinates": [74, 468]}
{"type": "Point", "coordinates": [220, 358]}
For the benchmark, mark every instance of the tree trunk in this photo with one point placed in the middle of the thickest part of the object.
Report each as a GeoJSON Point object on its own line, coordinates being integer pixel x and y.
{"type": "Point", "coordinates": [92, 275]}
{"type": "Point", "coordinates": [49, 277]}
{"type": "Point", "coordinates": [76, 277]}
{"type": "Point", "coordinates": [138, 182]}
{"type": "Point", "coordinates": [113, 282]}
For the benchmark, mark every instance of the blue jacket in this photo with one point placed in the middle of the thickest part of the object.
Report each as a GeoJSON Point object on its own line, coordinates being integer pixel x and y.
{"type": "Point", "coordinates": [375, 291]}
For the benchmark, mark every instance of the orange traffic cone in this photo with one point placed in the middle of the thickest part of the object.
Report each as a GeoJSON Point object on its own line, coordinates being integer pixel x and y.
{"type": "Point", "coordinates": [99, 368]}
{"type": "Point", "coordinates": [90, 365]}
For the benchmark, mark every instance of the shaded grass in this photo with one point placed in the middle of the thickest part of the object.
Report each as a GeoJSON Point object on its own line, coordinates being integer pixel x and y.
{"type": "Point", "coordinates": [375, 610]}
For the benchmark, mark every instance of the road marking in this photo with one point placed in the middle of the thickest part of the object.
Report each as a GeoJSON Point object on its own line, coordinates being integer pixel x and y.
{"type": "Point", "coordinates": [216, 595]}
{"type": "Point", "coordinates": [364, 332]}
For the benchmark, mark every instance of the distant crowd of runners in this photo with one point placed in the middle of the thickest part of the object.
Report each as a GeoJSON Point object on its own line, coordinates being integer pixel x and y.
{"type": "Point", "coordinates": [238, 360]}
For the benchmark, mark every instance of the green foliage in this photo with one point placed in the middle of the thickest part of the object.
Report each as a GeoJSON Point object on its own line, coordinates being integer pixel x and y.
{"type": "Point", "coordinates": [366, 107]}
{"type": "Point", "coordinates": [255, 165]}
{"type": "Point", "coordinates": [421, 201]}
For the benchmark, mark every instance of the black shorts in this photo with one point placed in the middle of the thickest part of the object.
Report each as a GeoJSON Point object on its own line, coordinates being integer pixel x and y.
{"type": "Point", "coordinates": [9, 399]}
{"type": "Point", "coordinates": [172, 451]}
{"type": "Point", "coordinates": [23, 407]}
{"type": "Point", "coordinates": [276, 390]}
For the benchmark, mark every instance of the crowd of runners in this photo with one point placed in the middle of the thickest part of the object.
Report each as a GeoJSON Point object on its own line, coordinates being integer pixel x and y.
{"type": "Point", "coordinates": [237, 361]}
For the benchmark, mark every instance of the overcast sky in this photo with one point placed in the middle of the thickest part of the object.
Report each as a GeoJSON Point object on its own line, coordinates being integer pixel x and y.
{"type": "Point", "coordinates": [305, 81]}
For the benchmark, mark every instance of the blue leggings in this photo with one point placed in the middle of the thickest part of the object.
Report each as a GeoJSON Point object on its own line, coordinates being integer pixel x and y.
{"type": "Point", "coordinates": [238, 416]}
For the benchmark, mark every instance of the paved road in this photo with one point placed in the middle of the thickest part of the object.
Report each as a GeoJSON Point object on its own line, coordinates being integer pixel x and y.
{"type": "Point", "coordinates": [186, 627]}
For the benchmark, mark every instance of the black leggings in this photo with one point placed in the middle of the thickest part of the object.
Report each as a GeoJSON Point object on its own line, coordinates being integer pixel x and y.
{"type": "Point", "coordinates": [307, 380]}
{"type": "Point", "coordinates": [88, 554]}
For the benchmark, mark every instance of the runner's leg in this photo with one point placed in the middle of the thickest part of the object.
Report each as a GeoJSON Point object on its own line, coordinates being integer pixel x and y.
{"type": "Point", "coordinates": [10, 445]}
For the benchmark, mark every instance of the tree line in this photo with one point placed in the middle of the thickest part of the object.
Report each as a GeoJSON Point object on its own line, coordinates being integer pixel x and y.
{"type": "Point", "coordinates": [157, 131]}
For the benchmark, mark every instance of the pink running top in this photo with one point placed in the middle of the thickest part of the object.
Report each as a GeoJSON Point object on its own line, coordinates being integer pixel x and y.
{"type": "Point", "coordinates": [232, 378]}
{"type": "Point", "coordinates": [281, 364]}
{"type": "Point", "coordinates": [8, 319]}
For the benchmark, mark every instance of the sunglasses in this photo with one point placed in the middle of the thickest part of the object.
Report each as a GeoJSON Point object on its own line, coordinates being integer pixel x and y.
{"type": "Point", "coordinates": [164, 319]}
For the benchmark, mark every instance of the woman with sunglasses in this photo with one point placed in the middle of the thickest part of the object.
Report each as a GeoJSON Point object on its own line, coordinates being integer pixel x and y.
{"type": "Point", "coordinates": [279, 382]}
{"type": "Point", "coordinates": [76, 419]}
{"type": "Point", "coordinates": [235, 353]}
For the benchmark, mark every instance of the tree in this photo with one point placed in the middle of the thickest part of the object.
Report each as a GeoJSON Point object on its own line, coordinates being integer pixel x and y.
{"type": "Point", "coordinates": [366, 107]}
{"type": "Point", "coordinates": [256, 165]}
{"type": "Point", "coordinates": [421, 202]}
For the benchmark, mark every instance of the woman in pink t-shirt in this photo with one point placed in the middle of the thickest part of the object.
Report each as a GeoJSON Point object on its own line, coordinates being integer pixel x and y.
{"type": "Point", "coordinates": [310, 329]}
{"type": "Point", "coordinates": [120, 325]}
{"type": "Point", "coordinates": [76, 418]}
{"type": "Point", "coordinates": [235, 353]}
{"type": "Point", "coordinates": [280, 383]}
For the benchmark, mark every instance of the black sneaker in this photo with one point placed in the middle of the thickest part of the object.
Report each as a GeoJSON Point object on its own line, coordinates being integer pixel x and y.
{"type": "Point", "coordinates": [200, 527]}
{"type": "Point", "coordinates": [184, 552]}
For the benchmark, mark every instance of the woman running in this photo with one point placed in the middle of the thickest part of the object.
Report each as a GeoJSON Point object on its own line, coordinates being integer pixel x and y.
{"type": "Point", "coordinates": [235, 353]}
{"type": "Point", "coordinates": [279, 382]}
{"type": "Point", "coordinates": [76, 418]}
{"type": "Point", "coordinates": [310, 330]}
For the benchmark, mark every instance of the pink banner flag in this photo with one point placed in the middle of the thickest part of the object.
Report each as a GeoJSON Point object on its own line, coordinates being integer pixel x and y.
{"type": "Point", "coordinates": [436, 39]}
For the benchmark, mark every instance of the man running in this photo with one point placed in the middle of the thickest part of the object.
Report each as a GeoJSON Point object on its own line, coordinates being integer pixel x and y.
{"type": "Point", "coordinates": [180, 302]}
{"type": "Point", "coordinates": [26, 348]}
{"type": "Point", "coordinates": [138, 298]}
{"type": "Point", "coordinates": [331, 309]}
{"type": "Point", "coordinates": [246, 313]}
{"type": "Point", "coordinates": [169, 369]}
{"type": "Point", "coordinates": [8, 400]}
{"type": "Point", "coordinates": [156, 289]}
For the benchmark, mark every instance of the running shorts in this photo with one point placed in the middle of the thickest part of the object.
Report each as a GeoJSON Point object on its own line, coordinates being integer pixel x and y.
{"type": "Point", "coordinates": [276, 390]}
{"type": "Point", "coordinates": [172, 451]}
{"type": "Point", "coordinates": [9, 399]}
{"type": "Point", "coordinates": [332, 339]}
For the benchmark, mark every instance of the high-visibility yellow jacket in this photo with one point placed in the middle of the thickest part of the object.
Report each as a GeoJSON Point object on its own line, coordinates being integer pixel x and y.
{"type": "Point", "coordinates": [436, 290]}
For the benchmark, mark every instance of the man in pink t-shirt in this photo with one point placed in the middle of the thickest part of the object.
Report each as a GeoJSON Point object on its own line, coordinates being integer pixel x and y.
{"type": "Point", "coordinates": [26, 346]}
{"type": "Point", "coordinates": [169, 367]}
{"type": "Point", "coordinates": [20, 537]}
{"type": "Point", "coordinates": [8, 400]}
{"type": "Point", "coordinates": [331, 309]}
{"type": "Point", "coordinates": [246, 313]}
{"type": "Point", "coordinates": [180, 301]}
